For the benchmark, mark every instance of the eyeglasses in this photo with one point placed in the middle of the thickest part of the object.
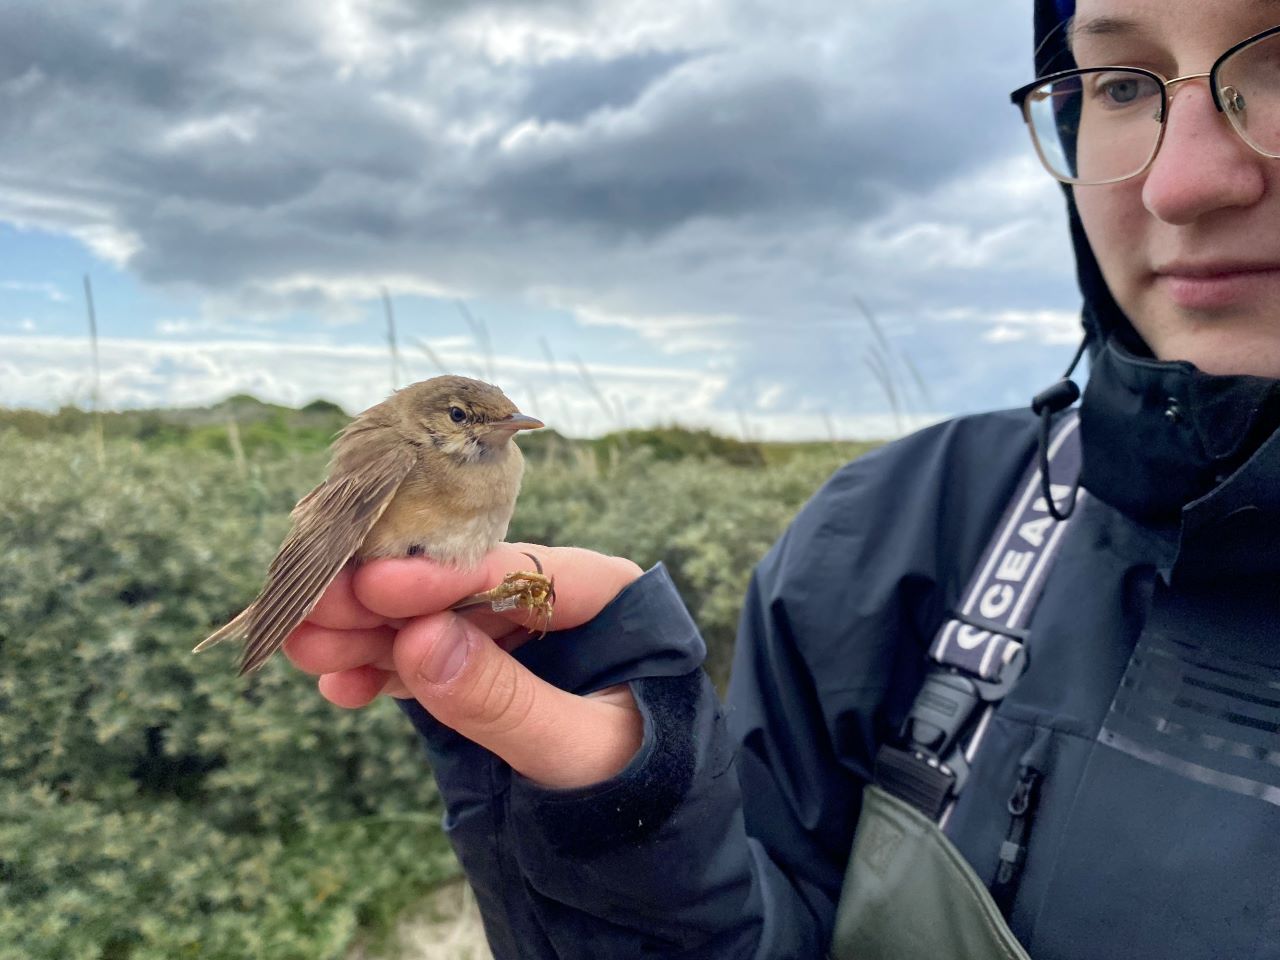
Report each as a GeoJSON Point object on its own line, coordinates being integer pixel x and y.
{"type": "Point", "coordinates": [1104, 124]}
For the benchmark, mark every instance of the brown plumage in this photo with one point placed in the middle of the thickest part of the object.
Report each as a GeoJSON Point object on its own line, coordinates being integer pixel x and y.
{"type": "Point", "coordinates": [431, 470]}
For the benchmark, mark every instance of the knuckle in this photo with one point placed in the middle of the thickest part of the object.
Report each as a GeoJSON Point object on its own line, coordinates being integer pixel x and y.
{"type": "Point", "coordinates": [304, 649]}
{"type": "Point", "coordinates": [627, 569]}
{"type": "Point", "coordinates": [498, 701]}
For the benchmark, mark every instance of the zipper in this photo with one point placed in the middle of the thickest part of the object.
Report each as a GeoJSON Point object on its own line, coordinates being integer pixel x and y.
{"type": "Point", "coordinates": [1021, 807]}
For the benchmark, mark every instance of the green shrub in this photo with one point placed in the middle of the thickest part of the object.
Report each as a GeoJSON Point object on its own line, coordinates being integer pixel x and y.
{"type": "Point", "coordinates": [680, 443]}
{"type": "Point", "coordinates": [151, 804]}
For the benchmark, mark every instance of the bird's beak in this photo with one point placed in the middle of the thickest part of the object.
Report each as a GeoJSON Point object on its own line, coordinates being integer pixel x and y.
{"type": "Point", "coordinates": [517, 421]}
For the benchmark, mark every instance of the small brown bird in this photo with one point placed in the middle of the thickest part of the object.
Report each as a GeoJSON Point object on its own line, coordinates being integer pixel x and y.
{"type": "Point", "coordinates": [431, 471]}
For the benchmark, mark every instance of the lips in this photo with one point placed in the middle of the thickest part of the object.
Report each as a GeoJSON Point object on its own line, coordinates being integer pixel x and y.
{"type": "Point", "coordinates": [1217, 284]}
{"type": "Point", "coordinates": [1216, 268]}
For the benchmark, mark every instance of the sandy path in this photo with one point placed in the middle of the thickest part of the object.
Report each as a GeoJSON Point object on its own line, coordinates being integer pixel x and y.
{"type": "Point", "coordinates": [447, 927]}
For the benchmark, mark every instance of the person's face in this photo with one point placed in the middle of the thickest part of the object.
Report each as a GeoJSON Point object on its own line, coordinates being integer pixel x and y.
{"type": "Point", "coordinates": [1191, 248]}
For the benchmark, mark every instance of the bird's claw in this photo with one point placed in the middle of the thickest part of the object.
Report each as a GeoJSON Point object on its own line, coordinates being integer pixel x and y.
{"type": "Point", "coordinates": [521, 590]}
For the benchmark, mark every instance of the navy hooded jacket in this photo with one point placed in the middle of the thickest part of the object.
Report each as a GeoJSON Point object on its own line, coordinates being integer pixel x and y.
{"type": "Point", "coordinates": [1151, 700]}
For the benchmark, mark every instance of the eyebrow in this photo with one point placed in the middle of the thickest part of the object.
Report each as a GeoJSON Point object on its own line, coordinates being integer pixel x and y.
{"type": "Point", "coordinates": [1105, 26]}
{"type": "Point", "coordinates": [1100, 26]}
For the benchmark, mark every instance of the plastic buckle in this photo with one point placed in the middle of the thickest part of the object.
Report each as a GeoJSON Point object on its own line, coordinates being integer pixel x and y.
{"type": "Point", "coordinates": [941, 710]}
{"type": "Point", "coordinates": [932, 768]}
{"type": "Point", "coordinates": [923, 781]}
{"type": "Point", "coordinates": [917, 773]}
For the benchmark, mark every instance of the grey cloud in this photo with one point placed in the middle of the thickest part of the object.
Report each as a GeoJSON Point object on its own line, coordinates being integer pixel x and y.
{"type": "Point", "coordinates": [76, 53]}
{"type": "Point", "coordinates": [572, 89]}
{"type": "Point", "coordinates": [758, 129]}
{"type": "Point", "coordinates": [650, 139]}
{"type": "Point", "coordinates": [232, 178]}
{"type": "Point", "coordinates": [708, 152]}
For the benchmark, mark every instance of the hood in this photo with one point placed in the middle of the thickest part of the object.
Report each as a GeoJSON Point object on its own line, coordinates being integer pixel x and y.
{"type": "Point", "coordinates": [1102, 316]}
{"type": "Point", "coordinates": [1145, 422]}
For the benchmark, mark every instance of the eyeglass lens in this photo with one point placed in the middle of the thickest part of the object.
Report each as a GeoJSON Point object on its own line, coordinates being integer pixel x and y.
{"type": "Point", "coordinates": [1101, 125]}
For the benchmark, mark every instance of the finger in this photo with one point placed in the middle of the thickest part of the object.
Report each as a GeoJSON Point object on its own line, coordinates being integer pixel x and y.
{"type": "Point", "coordinates": [319, 650]}
{"type": "Point", "coordinates": [353, 688]}
{"type": "Point", "coordinates": [585, 582]}
{"type": "Point", "coordinates": [396, 688]}
{"type": "Point", "coordinates": [338, 607]}
{"type": "Point", "coordinates": [619, 694]}
{"type": "Point", "coordinates": [472, 685]}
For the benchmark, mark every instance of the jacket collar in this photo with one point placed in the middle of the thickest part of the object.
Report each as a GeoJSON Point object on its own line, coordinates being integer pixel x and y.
{"type": "Point", "coordinates": [1177, 449]}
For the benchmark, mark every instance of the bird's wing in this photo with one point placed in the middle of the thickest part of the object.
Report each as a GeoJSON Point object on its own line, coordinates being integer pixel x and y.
{"type": "Point", "coordinates": [329, 524]}
{"type": "Point", "coordinates": [236, 628]}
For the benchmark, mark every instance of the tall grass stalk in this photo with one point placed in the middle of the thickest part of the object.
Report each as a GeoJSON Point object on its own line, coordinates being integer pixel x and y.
{"type": "Point", "coordinates": [95, 397]}
{"type": "Point", "coordinates": [873, 323]}
{"type": "Point", "coordinates": [392, 344]}
{"type": "Point", "coordinates": [597, 394]}
{"type": "Point", "coordinates": [237, 448]}
{"type": "Point", "coordinates": [534, 405]}
{"type": "Point", "coordinates": [559, 386]}
{"type": "Point", "coordinates": [480, 333]}
{"type": "Point", "coordinates": [919, 381]}
{"type": "Point", "coordinates": [888, 355]}
{"type": "Point", "coordinates": [880, 370]}
{"type": "Point", "coordinates": [431, 355]}
{"type": "Point", "coordinates": [621, 409]}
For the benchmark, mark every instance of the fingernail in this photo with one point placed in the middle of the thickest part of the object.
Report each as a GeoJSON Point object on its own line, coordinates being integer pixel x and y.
{"type": "Point", "coordinates": [447, 654]}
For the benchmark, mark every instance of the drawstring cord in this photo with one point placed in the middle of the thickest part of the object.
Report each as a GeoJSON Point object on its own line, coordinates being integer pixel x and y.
{"type": "Point", "coordinates": [1045, 404]}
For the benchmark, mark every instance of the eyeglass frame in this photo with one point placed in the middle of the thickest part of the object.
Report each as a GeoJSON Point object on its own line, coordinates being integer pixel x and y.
{"type": "Point", "coordinates": [1019, 99]}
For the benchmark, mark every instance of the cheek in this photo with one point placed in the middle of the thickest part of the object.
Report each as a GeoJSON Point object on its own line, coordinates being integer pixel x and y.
{"type": "Point", "coordinates": [1113, 219]}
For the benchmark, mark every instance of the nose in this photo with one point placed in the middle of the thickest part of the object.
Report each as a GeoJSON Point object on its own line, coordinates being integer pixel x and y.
{"type": "Point", "coordinates": [1203, 166]}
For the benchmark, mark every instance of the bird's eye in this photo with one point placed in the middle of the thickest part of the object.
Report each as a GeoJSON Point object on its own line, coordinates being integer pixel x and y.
{"type": "Point", "coordinates": [457, 414]}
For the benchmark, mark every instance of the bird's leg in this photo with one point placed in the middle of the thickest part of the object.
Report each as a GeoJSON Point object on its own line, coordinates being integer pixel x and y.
{"type": "Point", "coordinates": [521, 590]}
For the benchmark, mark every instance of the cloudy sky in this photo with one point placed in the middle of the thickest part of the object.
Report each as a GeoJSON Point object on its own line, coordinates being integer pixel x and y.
{"type": "Point", "coordinates": [774, 218]}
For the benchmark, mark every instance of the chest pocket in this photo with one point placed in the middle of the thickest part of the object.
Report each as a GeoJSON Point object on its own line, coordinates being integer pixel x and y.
{"type": "Point", "coordinates": [1172, 845]}
{"type": "Point", "coordinates": [909, 893]}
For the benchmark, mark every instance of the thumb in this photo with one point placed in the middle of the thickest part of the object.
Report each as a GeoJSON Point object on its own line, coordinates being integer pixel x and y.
{"type": "Point", "coordinates": [467, 682]}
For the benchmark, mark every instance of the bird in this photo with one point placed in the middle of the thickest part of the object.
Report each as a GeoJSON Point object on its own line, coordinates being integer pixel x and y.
{"type": "Point", "coordinates": [430, 471]}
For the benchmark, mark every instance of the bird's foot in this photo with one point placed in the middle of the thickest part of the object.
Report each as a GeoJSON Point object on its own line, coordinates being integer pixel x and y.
{"type": "Point", "coordinates": [521, 590]}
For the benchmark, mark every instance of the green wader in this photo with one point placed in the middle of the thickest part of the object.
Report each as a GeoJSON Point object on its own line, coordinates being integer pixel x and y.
{"type": "Point", "coordinates": [909, 895]}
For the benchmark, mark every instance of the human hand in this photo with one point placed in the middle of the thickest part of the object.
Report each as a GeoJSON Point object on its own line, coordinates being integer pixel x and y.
{"type": "Point", "coordinates": [386, 627]}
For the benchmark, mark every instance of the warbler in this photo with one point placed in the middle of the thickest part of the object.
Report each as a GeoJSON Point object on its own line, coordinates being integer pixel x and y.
{"type": "Point", "coordinates": [431, 471]}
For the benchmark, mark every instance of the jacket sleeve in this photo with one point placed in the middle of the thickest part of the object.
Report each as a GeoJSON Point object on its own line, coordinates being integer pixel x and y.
{"type": "Point", "coordinates": [727, 834]}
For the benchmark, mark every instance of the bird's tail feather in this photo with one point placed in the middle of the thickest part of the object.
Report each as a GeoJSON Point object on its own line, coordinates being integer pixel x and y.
{"type": "Point", "coordinates": [235, 629]}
